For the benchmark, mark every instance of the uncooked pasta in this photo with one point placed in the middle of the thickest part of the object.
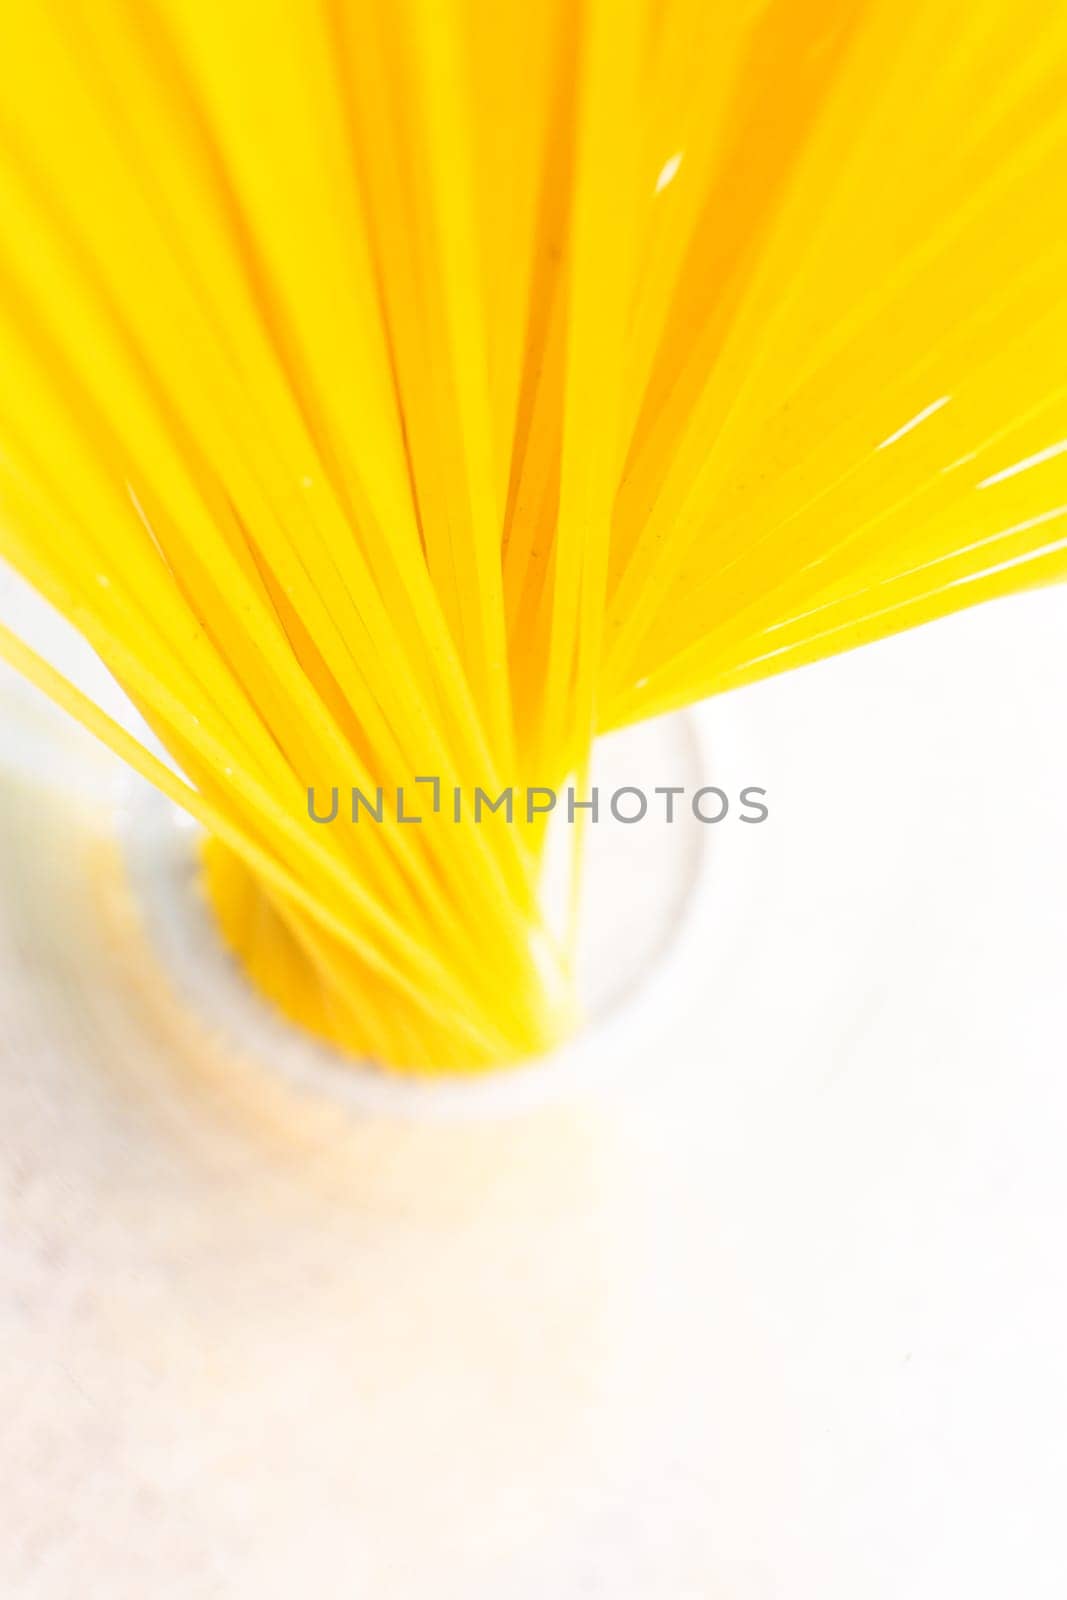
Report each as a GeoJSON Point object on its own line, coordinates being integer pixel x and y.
{"type": "Point", "coordinates": [398, 394]}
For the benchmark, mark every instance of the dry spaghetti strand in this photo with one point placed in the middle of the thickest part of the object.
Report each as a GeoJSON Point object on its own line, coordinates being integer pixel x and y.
{"type": "Point", "coordinates": [407, 390]}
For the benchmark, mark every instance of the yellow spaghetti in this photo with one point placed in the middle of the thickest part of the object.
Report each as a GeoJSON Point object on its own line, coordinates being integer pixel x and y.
{"type": "Point", "coordinates": [396, 389]}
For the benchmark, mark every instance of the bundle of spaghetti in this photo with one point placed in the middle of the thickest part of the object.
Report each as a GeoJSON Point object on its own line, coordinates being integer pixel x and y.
{"type": "Point", "coordinates": [400, 389]}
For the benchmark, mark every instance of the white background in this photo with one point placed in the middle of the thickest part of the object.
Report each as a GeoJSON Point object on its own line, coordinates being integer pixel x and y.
{"type": "Point", "coordinates": [778, 1309]}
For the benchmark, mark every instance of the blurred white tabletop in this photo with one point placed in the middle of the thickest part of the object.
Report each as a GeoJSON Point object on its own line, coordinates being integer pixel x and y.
{"type": "Point", "coordinates": [780, 1310]}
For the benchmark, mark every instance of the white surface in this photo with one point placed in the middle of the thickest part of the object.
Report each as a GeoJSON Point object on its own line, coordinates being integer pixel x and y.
{"type": "Point", "coordinates": [783, 1314]}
